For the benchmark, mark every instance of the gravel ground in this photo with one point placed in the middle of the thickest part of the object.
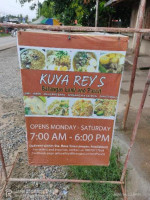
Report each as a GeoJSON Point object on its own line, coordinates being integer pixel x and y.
{"type": "Point", "coordinates": [13, 139]}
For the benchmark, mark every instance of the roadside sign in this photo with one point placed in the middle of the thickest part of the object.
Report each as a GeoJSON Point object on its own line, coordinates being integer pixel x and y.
{"type": "Point", "coordinates": [71, 86]}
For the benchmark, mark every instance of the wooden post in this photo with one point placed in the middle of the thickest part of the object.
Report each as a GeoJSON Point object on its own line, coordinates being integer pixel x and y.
{"type": "Point", "coordinates": [137, 121]}
{"type": "Point", "coordinates": [96, 16]}
{"type": "Point", "coordinates": [135, 34]}
{"type": "Point", "coordinates": [3, 163]}
{"type": "Point", "coordinates": [136, 55]}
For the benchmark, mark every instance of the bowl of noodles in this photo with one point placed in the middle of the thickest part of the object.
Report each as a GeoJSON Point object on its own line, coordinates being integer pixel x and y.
{"type": "Point", "coordinates": [85, 62]}
{"type": "Point", "coordinates": [82, 107]}
{"type": "Point", "coordinates": [58, 60]}
{"type": "Point", "coordinates": [32, 59]}
{"type": "Point", "coordinates": [58, 107]}
{"type": "Point", "coordinates": [35, 105]}
{"type": "Point", "coordinates": [105, 107]}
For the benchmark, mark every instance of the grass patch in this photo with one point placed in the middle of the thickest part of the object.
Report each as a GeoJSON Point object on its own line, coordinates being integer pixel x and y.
{"type": "Point", "coordinates": [96, 191]}
{"type": "Point", "coordinates": [4, 34]}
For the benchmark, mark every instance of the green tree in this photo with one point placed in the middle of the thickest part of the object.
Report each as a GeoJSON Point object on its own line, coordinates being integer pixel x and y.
{"type": "Point", "coordinates": [22, 2]}
{"type": "Point", "coordinates": [47, 9]}
{"type": "Point", "coordinates": [26, 18]}
{"type": "Point", "coordinates": [67, 11]}
{"type": "Point", "coordinates": [20, 18]}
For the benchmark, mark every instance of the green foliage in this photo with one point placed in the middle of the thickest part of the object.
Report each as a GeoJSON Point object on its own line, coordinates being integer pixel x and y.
{"type": "Point", "coordinates": [20, 17]}
{"type": "Point", "coordinates": [105, 14]}
{"type": "Point", "coordinates": [47, 9]}
{"type": "Point", "coordinates": [26, 18]}
{"type": "Point", "coordinates": [24, 1]}
{"type": "Point", "coordinates": [98, 191]}
{"type": "Point", "coordinates": [67, 11]}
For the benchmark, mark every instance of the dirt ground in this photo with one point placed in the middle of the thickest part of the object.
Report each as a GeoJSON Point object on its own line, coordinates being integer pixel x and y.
{"type": "Point", "coordinates": [12, 127]}
{"type": "Point", "coordinates": [75, 192]}
{"type": "Point", "coordinates": [138, 181]}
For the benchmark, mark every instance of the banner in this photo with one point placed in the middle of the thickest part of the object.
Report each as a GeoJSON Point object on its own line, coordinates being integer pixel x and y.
{"type": "Point", "coordinates": [71, 86]}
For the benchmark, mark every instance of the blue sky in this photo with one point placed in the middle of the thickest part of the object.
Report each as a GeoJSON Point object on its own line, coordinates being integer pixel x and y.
{"type": "Point", "coordinates": [14, 8]}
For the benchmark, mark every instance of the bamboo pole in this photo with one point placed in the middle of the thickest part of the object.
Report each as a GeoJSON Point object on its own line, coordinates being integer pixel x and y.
{"type": "Point", "coordinates": [134, 133]}
{"type": "Point", "coordinates": [136, 54]}
{"type": "Point", "coordinates": [76, 28]}
{"type": "Point", "coordinates": [3, 163]}
{"type": "Point", "coordinates": [63, 180]}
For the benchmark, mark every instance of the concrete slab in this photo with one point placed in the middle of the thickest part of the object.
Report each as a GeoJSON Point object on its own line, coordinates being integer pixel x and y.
{"type": "Point", "coordinates": [7, 42]}
{"type": "Point", "coordinates": [138, 178]}
{"type": "Point", "coordinates": [143, 61]}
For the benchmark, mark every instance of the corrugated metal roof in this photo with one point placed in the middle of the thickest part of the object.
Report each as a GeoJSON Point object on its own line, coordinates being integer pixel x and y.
{"type": "Point", "coordinates": [112, 2]}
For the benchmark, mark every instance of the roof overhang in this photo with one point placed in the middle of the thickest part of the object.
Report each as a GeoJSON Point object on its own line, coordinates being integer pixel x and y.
{"type": "Point", "coordinates": [112, 2]}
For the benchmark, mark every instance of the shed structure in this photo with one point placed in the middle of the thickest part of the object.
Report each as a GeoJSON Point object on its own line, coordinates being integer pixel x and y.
{"type": "Point", "coordinates": [145, 44]}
